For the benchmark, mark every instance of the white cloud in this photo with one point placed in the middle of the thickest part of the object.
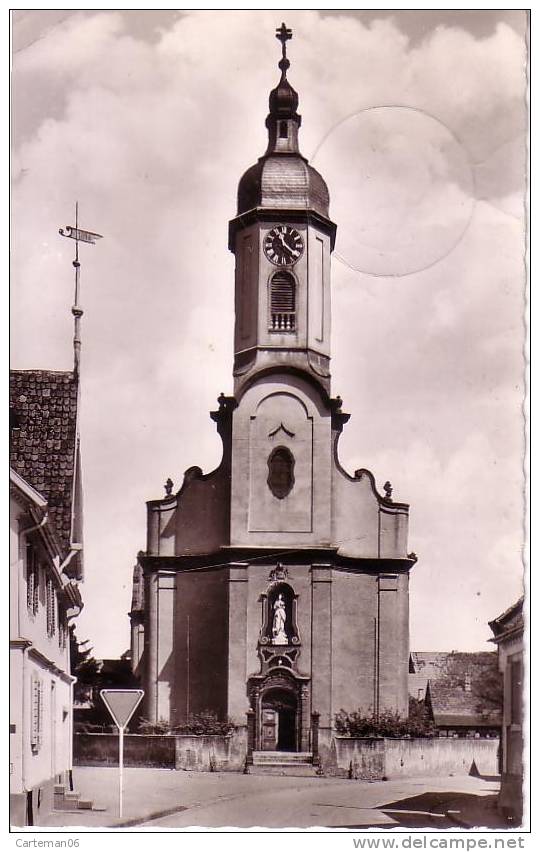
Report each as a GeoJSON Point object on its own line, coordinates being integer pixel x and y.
{"type": "Point", "coordinates": [152, 139]}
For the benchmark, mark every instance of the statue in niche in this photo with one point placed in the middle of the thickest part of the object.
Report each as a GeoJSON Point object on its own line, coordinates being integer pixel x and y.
{"type": "Point", "coordinates": [279, 637]}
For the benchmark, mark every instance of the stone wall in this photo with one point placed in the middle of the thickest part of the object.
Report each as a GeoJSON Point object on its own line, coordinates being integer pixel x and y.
{"type": "Point", "coordinates": [139, 750]}
{"type": "Point", "coordinates": [212, 753]}
{"type": "Point", "coordinates": [375, 759]}
{"type": "Point", "coordinates": [363, 758]}
{"type": "Point", "coordinates": [201, 753]}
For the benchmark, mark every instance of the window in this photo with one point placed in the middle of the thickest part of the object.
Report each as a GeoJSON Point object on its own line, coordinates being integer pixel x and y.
{"type": "Point", "coordinates": [51, 608]}
{"type": "Point", "coordinates": [32, 579]}
{"type": "Point", "coordinates": [37, 714]}
{"type": "Point", "coordinates": [283, 129]}
{"type": "Point", "coordinates": [282, 302]}
{"type": "Point", "coordinates": [280, 472]}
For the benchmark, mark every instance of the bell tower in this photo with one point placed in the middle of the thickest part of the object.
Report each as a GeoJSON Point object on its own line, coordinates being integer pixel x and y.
{"type": "Point", "coordinates": [274, 588]}
{"type": "Point", "coordinates": [282, 238]}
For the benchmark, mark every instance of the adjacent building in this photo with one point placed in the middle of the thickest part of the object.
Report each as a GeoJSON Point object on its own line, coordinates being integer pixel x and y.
{"type": "Point", "coordinates": [508, 629]}
{"type": "Point", "coordinates": [45, 571]}
{"type": "Point", "coordinates": [274, 590]}
{"type": "Point", "coordinates": [462, 691]}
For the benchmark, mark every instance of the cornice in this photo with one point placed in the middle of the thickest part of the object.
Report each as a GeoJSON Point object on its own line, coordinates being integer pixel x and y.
{"type": "Point", "coordinates": [282, 214]}
{"type": "Point", "coordinates": [264, 556]}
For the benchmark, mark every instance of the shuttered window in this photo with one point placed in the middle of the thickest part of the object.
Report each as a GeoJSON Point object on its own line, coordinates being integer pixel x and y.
{"type": "Point", "coordinates": [51, 608]}
{"type": "Point", "coordinates": [32, 579]}
{"type": "Point", "coordinates": [37, 714]}
{"type": "Point", "coordinates": [282, 302]}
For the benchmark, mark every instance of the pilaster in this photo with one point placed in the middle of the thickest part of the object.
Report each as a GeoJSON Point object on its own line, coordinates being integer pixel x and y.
{"type": "Point", "coordinates": [151, 646]}
{"type": "Point", "coordinates": [321, 642]}
{"type": "Point", "coordinates": [237, 703]}
{"type": "Point", "coordinates": [388, 650]}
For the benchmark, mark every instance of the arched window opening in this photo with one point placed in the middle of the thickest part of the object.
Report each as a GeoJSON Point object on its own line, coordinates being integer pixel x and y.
{"type": "Point", "coordinates": [280, 472]}
{"type": "Point", "coordinates": [283, 129]}
{"type": "Point", "coordinates": [282, 302]}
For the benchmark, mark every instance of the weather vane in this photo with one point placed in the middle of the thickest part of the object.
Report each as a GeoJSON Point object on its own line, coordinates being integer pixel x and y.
{"type": "Point", "coordinates": [78, 234]}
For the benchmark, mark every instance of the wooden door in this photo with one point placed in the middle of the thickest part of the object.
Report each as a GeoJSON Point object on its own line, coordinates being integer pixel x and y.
{"type": "Point", "coordinates": [269, 729]}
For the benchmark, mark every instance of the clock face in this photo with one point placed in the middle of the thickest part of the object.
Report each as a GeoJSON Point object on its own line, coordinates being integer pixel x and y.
{"type": "Point", "coordinates": [283, 245]}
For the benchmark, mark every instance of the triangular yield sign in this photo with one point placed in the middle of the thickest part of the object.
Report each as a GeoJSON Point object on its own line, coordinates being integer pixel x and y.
{"type": "Point", "coordinates": [121, 703]}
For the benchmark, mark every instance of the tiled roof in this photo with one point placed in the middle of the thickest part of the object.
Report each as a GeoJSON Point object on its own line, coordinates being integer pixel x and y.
{"type": "Point", "coordinates": [431, 664]}
{"type": "Point", "coordinates": [455, 683]}
{"type": "Point", "coordinates": [43, 405]}
{"type": "Point", "coordinates": [435, 665]}
{"type": "Point", "coordinates": [452, 705]}
{"type": "Point", "coordinates": [509, 622]}
{"type": "Point", "coordinates": [417, 686]}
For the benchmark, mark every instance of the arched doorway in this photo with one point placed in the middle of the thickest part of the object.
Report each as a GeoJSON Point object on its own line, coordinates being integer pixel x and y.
{"type": "Point", "coordinates": [279, 711]}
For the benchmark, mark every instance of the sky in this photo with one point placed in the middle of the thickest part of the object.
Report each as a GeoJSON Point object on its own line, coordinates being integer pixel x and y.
{"type": "Point", "coordinates": [417, 121]}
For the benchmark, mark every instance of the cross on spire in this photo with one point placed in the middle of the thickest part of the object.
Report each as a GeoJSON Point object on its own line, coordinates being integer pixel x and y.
{"type": "Point", "coordinates": [283, 34]}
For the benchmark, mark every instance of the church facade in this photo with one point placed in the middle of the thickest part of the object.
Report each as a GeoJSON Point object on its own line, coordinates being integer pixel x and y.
{"type": "Point", "coordinates": [274, 589]}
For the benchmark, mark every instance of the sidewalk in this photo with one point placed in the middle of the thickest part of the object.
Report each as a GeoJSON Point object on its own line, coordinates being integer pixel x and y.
{"type": "Point", "coordinates": [166, 798]}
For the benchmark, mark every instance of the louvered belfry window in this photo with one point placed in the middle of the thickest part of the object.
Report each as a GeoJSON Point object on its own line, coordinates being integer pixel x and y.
{"type": "Point", "coordinates": [282, 302]}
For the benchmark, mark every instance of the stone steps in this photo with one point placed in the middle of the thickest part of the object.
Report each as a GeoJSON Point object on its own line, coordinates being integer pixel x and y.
{"type": "Point", "coordinates": [66, 800]}
{"type": "Point", "coordinates": [282, 757]}
{"type": "Point", "coordinates": [292, 769]}
{"type": "Point", "coordinates": [299, 763]}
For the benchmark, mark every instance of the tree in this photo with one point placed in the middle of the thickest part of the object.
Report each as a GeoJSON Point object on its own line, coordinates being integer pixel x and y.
{"type": "Point", "coordinates": [478, 674]}
{"type": "Point", "coordinates": [83, 666]}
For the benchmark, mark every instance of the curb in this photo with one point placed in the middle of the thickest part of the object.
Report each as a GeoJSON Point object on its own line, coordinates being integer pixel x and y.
{"type": "Point", "coordinates": [130, 823]}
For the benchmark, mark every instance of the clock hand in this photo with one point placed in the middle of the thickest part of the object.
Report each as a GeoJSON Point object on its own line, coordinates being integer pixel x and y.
{"type": "Point", "coordinates": [291, 247]}
{"type": "Point", "coordinates": [286, 247]}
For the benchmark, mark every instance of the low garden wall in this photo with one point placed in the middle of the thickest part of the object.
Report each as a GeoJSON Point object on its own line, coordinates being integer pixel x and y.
{"type": "Point", "coordinates": [139, 750]}
{"type": "Point", "coordinates": [212, 753]}
{"type": "Point", "coordinates": [375, 759]}
{"type": "Point", "coordinates": [367, 758]}
{"type": "Point", "coordinates": [173, 751]}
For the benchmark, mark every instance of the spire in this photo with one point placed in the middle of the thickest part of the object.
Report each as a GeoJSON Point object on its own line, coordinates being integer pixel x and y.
{"type": "Point", "coordinates": [283, 120]}
{"type": "Point", "coordinates": [282, 177]}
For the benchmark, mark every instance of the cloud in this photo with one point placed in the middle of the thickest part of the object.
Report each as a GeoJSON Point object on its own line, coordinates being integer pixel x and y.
{"type": "Point", "coordinates": [152, 136]}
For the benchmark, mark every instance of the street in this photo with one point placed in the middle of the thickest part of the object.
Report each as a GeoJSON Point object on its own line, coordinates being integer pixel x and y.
{"type": "Point", "coordinates": [157, 798]}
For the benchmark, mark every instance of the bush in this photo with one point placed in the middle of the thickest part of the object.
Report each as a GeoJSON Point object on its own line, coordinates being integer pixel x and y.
{"type": "Point", "coordinates": [159, 727]}
{"type": "Point", "coordinates": [386, 724]}
{"type": "Point", "coordinates": [205, 723]}
{"type": "Point", "coordinates": [198, 724]}
{"type": "Point", "coordinates": [90, 728]}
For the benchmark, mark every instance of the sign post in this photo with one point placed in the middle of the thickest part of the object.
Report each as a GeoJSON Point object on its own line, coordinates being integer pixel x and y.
{"type": "Point", "coordinates": [121, 704]}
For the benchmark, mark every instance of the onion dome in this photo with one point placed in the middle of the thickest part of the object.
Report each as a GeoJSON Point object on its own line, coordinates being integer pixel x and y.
{"type": "Point", "coordinates": [283, 100]}
{"type": "Point", "coordinates": [283, 182]}
{"type": "Point", "coordinates": [283, 178]}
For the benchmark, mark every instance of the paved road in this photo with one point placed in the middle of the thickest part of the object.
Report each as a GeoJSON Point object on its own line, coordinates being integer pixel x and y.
{"type": "Point", "coordinates": [336, 803]}
{"type": "Point", "coordinates": [164, 798]}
